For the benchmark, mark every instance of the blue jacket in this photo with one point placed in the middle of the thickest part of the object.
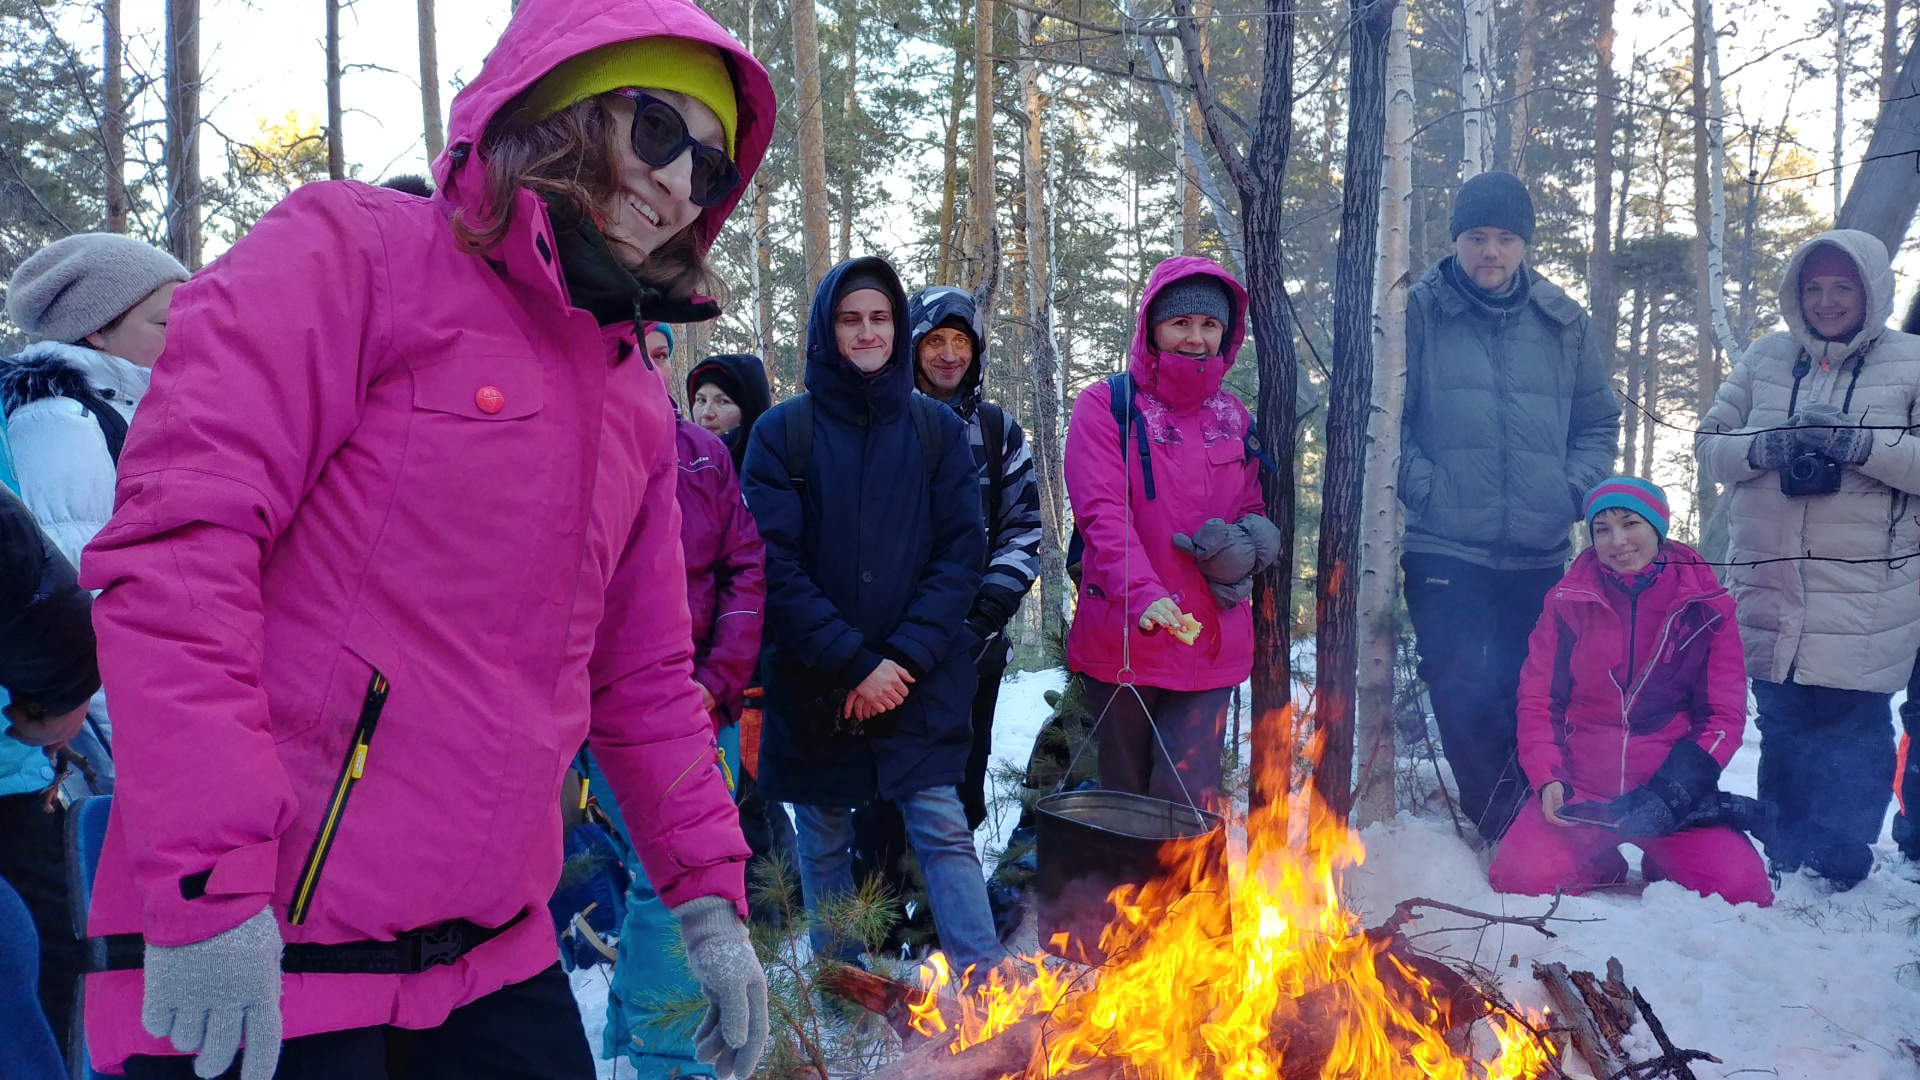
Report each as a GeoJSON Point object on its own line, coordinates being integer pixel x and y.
{"type": "Point", "coordinates": [868, 558]}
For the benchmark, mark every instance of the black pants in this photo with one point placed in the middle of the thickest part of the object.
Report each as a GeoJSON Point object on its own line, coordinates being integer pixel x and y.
{"type": "Point", "coordinates": [1472, 624]}
{"type": "Point", "coordinates": [769, 833]}
{"type": "Point", "coordinates": [33, 860]}
{"type": "Point", "coordinates": [527, 1031]}
{"type": "Point", "coordinates": [1826, 760]}
{"type": "Point", "coordinates": [973, 789]}
{"type": "Point", "coordinates": [1183, 764]}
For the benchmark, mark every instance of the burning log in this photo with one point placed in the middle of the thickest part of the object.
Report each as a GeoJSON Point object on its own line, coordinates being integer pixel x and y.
{"type": "Point", "coordinates": [889, 999]}
{"type": "Point", "coordinates": [1602, 1052]}
{"type": "Point", "coordinates": [1599, 1015]}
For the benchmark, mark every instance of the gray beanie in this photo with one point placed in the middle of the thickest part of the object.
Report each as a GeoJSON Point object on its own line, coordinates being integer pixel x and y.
{"type": "Point", "coordinates": [80, 283]}
{"type": "Point", "coordinates": [1195, 294]}
{"type": "Point", "coordinates": [1494, 199]}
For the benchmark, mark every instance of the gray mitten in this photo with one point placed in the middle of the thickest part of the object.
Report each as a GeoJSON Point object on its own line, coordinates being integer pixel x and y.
{"type": "Point", "coordinates": [1265, 536]}
{"type": "Point", "coordinates": [210, 995]}
{"type": "Point", "coordinates": [1227, 595]}
{"type": "Point", "coordinates": [1773, 449]}
{"type": "Point", "coordinates": [720, 956]}
{"type": "Point", "coordinates": [1827, 430]}
{"type": "Point", "coordinates": [1224, 553]}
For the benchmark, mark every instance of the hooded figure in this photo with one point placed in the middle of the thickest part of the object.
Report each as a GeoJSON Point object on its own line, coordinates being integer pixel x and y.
{"type": "Point", "coordinates": [386, 554]}
{"type": "Point", "coordinates": [743, 378]}
{"type": "Point", "coordinates": [1827, 642]}
{"type": "Point", "coordinates": [1009, 503]}
{"type": "Point", "coordinates": [1195, 433]}
{"type": "Point", "coordinates": [874, 549]}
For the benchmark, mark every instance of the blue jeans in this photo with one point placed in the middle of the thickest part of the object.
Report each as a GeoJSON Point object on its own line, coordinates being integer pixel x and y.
{"type": "Point", "coordinates": [937, 828]}
{"type": "Point", "coordinates": [27, 1049]}
{"type": "Point", "coordinates": [1826, 759]}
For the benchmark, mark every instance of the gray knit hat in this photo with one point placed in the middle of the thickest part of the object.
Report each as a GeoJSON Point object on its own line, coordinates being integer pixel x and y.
{"type": "Point", "coordinates": [80, 283]}
{"type": "Point", "coordinates": [1195, 294]}
{"type": "Point", "coordinates": [1494, 199]}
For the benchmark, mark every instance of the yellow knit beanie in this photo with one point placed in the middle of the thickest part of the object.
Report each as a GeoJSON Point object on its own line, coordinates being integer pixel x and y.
{"type": "Point", "coordinates": [693, 68]}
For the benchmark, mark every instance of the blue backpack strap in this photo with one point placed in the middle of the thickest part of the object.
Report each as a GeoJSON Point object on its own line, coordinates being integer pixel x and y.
{"type": "Point", "coordinates": [1256, 450]}
{"type": "Point", "coordinates": [1126, 413]}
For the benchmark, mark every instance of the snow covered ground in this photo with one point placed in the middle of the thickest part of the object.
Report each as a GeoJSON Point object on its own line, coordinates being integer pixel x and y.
{"type": "Point", "coordinates": [1816, 987]}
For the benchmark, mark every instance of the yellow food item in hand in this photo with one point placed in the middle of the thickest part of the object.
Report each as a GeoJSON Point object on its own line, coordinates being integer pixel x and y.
{"type": "Point", "coordinates": [1189, 629]}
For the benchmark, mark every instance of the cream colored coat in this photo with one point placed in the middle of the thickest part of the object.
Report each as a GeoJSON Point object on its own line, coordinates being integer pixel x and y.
{"type": "Point", "coordinates": [1854, 625]}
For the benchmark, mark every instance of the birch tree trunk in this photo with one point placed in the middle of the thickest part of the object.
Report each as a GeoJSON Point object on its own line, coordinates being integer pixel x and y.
{"type": "Point", "coordinates": [113, 114]}
{"type": "Point", "coordinates": [1259, 175]}
{"type": "Point", "coordinates": [183, 131]}
{"type": "Point", "coordinates": [336, 145]}
{"type": "Point", "coordinates": [1188, 145]}
{"type": "Point", "coordinates": [1044, 440]}
{"type": "Point", "coordinates": [1380, 506]}
{"type": "Point", "coordinates": [1475, 87]}
{"type": "Point", "coordinates": [1889, 47]}
{"type": "Point", "coordinates": [1706, 356]}
{"type": "Point", "coordinates": [434, 126]}
{"type": "Point", "coordinates": [1600, 290]}
{"type": "Point", "coordinates": [813, 149]}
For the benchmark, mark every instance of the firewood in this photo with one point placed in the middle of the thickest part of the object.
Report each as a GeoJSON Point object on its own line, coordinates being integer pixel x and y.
{"type": "Point", "coordinates": [889, 999]}
{"type": "Point", "coordinates": [1579, 1019]}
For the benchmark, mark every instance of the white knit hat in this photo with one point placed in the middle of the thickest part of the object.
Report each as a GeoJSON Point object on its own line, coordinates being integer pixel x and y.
{"type": "Point", "coordinates": [80, 283]}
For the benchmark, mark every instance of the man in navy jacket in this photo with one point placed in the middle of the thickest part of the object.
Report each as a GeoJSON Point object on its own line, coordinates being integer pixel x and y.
{"type": "Point", "coordinates": [871, 518]}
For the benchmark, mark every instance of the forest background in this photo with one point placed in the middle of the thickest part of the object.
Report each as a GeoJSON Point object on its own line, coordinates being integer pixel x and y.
{"type": "Point", "coordinates": [1048, 154]}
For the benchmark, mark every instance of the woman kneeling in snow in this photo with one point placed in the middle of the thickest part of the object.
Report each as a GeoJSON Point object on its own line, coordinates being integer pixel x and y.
{"type": "Point", "coordinates": [1632, 700]}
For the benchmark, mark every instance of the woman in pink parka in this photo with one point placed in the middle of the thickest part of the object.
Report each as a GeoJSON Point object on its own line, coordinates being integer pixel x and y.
{"type": "Point", "coordinates": [1169, 509]}
{"type": "Point", "coordinates": [394, 537]}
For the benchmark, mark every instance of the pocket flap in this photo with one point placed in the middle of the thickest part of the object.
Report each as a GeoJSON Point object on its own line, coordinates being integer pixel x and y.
{"type": "Point", "coordinates": [480, 387]}
{"type": "Point", "coordinates": [1226, 451]}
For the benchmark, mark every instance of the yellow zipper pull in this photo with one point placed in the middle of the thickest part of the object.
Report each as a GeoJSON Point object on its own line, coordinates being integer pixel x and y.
{"type": "Point", "coordinates": [359, 768]}
{"type": "Point", "coordinates": [585, 784]}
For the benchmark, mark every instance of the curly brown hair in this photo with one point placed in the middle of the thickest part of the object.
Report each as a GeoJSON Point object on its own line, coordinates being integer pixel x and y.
{"type": "Point", "coordinates": [572, 155]}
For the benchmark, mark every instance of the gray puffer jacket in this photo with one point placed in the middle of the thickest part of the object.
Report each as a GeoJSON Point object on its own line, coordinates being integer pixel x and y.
{"type": "Point", "coordinates": [1851, 625]}
{"type": "Point", "coordinates": [1509, 420]}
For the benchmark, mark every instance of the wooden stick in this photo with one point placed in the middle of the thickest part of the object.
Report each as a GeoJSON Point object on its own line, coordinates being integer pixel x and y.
{"type": "Point", "coordinates": [1580, 1021]}
{"type": "Point", "coordinates": [889, 999]}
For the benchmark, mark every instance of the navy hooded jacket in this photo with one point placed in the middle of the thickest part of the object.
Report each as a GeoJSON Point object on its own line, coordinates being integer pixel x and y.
{"type": "Point", "coordinates": [869, 558]}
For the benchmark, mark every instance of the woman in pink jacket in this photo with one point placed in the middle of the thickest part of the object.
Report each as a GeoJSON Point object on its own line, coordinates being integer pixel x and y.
{"type": "Point", "coordinates": [1166, 499]}
{"type": "Point", "coordinates": [395, 534]}
{"type": "Point", "coordinates": [1632, 700]}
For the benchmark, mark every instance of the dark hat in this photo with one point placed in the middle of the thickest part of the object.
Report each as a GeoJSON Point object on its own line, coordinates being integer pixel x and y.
{"type": "Point", "coordinates": [1494, 200]}
{"type": "Point", "coordinates": [1196, 294]}
{"type": "Point", "coordinates": [856, 280]}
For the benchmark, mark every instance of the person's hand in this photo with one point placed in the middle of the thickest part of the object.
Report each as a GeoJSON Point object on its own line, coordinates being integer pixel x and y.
{"type": "Point", "coordinates": [1773, 448]}
{"type": "Point", "coordinates": [884, 688]}
{"type": "Point", "coordinates": [1552, 797]}
{"type": "Point", "coordinates": [36, 728]}
{"type": "Point", "coordinates": [721, 959]}
{"type": "Point", "coordinates": [209, 996]}
{"type": "Point", "coordinates": [706, 699]}
{"type": "Point", "coordinates": [1162, 614]}
{"type": "Point", "coordinates": [1824, 429]}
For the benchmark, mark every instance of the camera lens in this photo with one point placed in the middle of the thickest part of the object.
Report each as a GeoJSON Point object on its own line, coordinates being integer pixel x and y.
{"type": "Point", "coordinates": [1803, 468]}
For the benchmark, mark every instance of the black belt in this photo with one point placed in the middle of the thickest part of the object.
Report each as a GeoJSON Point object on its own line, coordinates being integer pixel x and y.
{"type": "Point", "coordinates": [409, 954]}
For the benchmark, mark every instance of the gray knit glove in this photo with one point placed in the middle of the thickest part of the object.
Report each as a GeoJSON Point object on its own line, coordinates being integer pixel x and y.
{"type": "Point", "coordinates": [1829, 431]}
{"type": "Point", "coordinates": [720, 956]}
{"type": "Point", "coordinates": [211, 994]}
{"type": "Point", "coordinates": [1773, 449]}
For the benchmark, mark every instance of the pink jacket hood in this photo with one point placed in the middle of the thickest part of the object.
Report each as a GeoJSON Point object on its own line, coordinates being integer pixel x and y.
{"type": "Point", "coordinates": [1145, 360]}
{"type": "Point", "coordinates": [544, 33]}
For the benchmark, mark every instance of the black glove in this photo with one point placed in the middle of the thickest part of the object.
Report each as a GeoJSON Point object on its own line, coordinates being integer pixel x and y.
{"type": "Point", "coordinates": [1734, 811]}
{"type": "Point", "coordinates": [1687, 781]}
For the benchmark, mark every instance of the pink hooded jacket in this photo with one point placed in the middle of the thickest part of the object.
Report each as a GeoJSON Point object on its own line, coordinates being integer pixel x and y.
{"type": "Point", "coordinates": [1603, 720]}
{"type": "Point", "coordinates": [369, 455]}
{"type": "Point", "coordinates": [726, 570]}
{"type": "Point", "coordinates": [1197, 432]}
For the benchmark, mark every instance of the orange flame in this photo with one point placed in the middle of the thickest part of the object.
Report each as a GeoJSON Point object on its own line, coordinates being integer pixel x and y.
{"type": "Point", "coordinates": [1264, 975]}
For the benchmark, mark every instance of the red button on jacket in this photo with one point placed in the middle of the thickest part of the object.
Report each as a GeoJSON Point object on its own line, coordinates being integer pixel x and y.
{"type": "Point", "coordinates": [490, 399]}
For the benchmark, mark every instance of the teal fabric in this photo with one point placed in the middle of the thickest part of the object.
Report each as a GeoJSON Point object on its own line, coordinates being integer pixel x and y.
{"type": "Point", "coordinates": [23, 768]}
{"type": "Point", "coordinates": [652, 964]}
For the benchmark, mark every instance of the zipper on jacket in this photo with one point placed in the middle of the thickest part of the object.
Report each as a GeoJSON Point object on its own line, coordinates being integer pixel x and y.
{"type": "Point", "coordinates": [351, 770]}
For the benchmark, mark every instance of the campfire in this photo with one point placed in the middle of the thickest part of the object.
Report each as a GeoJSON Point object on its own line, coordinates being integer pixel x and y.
{"type": "Point", "coordinates": [1261, 974]}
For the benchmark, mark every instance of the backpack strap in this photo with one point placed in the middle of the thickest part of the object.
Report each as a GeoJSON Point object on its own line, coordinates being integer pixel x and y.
{"type": "Point", "coordinates": [1126, 413]}
{"type": "Point", "coordinates": [993, 435]}
{"type": "Point", "coordinates": [926, 425]}
{"type": "Point", "coordinates": [112, 425]}
{"type": "Point", "coordinates": [798, 419]}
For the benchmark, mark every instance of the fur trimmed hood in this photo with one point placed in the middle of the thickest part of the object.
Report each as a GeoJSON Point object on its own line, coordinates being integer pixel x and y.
{"type": "Point", "coordinates": [51, 369]}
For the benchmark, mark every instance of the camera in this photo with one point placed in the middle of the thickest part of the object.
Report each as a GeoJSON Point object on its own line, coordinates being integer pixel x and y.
{"type": "Point", "coordinates": [1811, 472]}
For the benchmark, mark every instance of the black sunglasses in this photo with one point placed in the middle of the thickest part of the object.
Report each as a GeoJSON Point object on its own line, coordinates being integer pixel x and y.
{"type": "Point", "coordinates": [659, 136]}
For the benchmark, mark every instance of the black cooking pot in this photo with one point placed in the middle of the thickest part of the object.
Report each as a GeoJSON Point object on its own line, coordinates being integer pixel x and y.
{"type": "Point", "coordinates": [1090, 842]}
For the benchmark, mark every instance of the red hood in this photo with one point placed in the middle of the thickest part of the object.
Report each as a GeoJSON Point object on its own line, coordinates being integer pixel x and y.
{"type": "Point", "coordinates": [1144, 364]}
{"type": "Point", "coordinates": [544, 33]}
